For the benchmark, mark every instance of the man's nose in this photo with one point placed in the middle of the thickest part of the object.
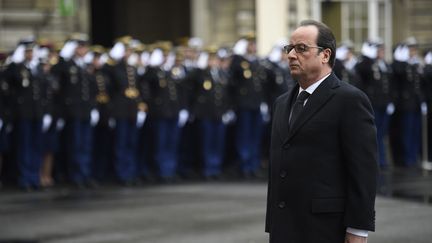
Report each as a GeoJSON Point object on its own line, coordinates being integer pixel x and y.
{"type": "Point", "coordinates": [291, 54]}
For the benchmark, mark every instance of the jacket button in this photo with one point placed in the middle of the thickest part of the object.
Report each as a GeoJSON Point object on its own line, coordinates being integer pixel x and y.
{"type": "Point", "coordinates": [283, 173]}
{"type": "Point", "coordinates": [282, 204]}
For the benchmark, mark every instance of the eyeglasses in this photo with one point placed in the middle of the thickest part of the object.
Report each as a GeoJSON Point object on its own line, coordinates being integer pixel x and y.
{"type": "Point", "coordinates": [299, 48]}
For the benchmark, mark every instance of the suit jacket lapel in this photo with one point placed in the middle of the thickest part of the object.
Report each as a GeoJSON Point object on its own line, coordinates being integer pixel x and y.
{"type": "Point", "coordinates": [315, 102]}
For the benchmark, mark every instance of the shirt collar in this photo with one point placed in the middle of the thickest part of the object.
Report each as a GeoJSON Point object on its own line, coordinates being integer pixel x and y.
{"type": "Point", "coordinates": [314, 86]}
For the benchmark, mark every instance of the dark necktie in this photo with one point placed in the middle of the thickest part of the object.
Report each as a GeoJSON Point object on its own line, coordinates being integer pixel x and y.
{"type": "Point", "coordinates": [298, 106]}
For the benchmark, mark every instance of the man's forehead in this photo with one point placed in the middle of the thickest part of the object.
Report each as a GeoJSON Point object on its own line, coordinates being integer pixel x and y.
{"type": "Point", "coordinates": [306, 33]}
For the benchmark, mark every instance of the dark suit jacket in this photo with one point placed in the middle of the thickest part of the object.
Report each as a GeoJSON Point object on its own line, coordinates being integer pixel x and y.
{"type": "Point", "coordinates": [323, 169]}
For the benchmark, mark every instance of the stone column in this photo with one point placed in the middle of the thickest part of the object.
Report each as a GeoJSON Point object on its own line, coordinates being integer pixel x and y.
{"type": "Point", "coordinates": [373, 22]}
{"type": "Point", "coordinates": [200, 19]}
{"type": "Point", "coordinates": [271, 23]}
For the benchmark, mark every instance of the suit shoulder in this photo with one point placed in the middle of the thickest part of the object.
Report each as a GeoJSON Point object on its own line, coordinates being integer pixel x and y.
{"type": "Point", "coordinates": [282, 98]}
{"type": "Point", "coordinates": [350, 90]}
{"type": "Point", "coordinates": [351, 95]}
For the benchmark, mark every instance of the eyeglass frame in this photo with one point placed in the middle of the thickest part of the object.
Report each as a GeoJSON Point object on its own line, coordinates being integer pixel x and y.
{"type": "Point", "coordinates": [288, 48]}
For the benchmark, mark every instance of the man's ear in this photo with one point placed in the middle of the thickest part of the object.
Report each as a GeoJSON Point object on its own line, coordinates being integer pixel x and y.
{"type": "Point", "coordinates": [327, 53]}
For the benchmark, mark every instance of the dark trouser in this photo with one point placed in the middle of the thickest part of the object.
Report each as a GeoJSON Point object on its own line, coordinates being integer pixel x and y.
{"type": "Point", "coordinates": [188, 156]}
{"type": "Point", "coordinates": [248, 139]}
{"type": "Point", "coordinates": [4, 140]}
{"type": "Point", "coordinates": [79, 149]}
{"type": "Point", "coordinates": [125, 149]}
{"type": "Point", "coordinates": [29, 152]}
{"type": "Point", "coordinates": [411, 126]}
{"type": "Point", "coordinates": [102, 152]}
{"type": "Point", "coordinates": [166, 149]}
{"type": "Point", "coordinates": [213, 144]}
{"type": "Point", "coordinates": [382, 123]}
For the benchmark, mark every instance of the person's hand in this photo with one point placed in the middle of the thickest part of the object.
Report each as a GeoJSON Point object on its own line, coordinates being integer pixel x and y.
{"type": "Point", "coordinates": [350, 238]}
{"type": "Point", "coordinates": [183, 117]}
{"type": "Point", "coordinates": [390, 109]}
{"type": "Point", "coordinates": [94, 117]}
{"type": "Point", "coordinates": [265, 112]}
{"type": "Point", "coordinates": [46, 122]}
{"type": "Point", "coordinates": [228, 117]}
{"type": "Point", "coordinates": [141, 117]}
{"type": "Point", "coordinates": [424, 108]}
{"type": "Point", "coordinates": [60, 124]}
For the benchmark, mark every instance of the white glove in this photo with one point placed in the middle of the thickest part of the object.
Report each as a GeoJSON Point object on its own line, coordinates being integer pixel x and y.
{"type": "Point", "coordinates": [1, 124]}
{"type": "Point", "coordinates": [265, 112]}
{"type": "Point", "coordinates": [424, 108]}
{"type": "Point", "coordinates": [112, 123]}
{"type": "Point", "coordinates": [46, 122]}
{"type": "Point", "coordinates": [60, 124]}
{"type": "Point", "coordinates": [228, 117]}
{"type": "Point", "coordinates": [141, 117]}
{"type": "Point", "coordinates": [183, 117]}
{"type": "Point", "coordinates": [390, 109]}
{"type": "Point", "coordinates": [94, 117]}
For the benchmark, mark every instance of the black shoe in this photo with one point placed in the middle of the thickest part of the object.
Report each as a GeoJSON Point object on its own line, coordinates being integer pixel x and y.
{"type": "Point", "coordinates": [80, 185]}
{"type": "Point", "coordinates": [91, 184]}
{"type": "Point", "coordinates": [148, 179]}
{"type": "Point", "coordinates": [169, 180]}
{"type": "Point", "coordinates": [213, 178]}
{"type": "Point", "coordinates": [27, 188]}
{"type": "Point", "coordinates": [137, 182]}
{"type": "Point", "coordinates": [126, 183]}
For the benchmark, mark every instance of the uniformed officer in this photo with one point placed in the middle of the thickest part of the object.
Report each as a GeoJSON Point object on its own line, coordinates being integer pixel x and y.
{"type": "Point", "coordinates": [407, 76]}
{"type": "Point", "coordinates": [427, 79]}
{"type": "Point", "coordinates": [374, 78]}
{"type": "Point", "coordinates": [79, 113]}
{"type": "Point", "coordinates": [279, 81]}
{"type": "Point", "coordinates": [128, 109]}
{"type": "Point", "coordinates": [165, 110]}
{"type": "Point", "coordinates": [103, 132]}
{"type": "Point", "coordinates": [350, 59]}
{"type": "Point", "coordinates": [48, 57]}
{"type": "Point", "coordinates": [279, 78]}
{"type": "Point", "coordinates": [345, 62]}
{"type": "Point", "coordinates": [4, 114]}
{"type": "Point", "coordinates": [26, 90]}
{"type": "Point", "coordinates": [247, 83]}
{"type": "Point", "coordinates": [210, 106]}
{"type": "Point", "coordinates": [189, 159]}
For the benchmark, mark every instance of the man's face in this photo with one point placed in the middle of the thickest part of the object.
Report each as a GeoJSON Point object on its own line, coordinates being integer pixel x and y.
{"type": "Point", "coordinates": [213, 61]}
{"type": "Point", "coordinates": [97, 62]}
{"type": "Point", "coordinates": [381, 52]}
{"type": "Point", "coordinates": [308, 63]}
{"type": "Point", "coordinates": [28, 54]}
{"type": "Point", "coordinates": [81, 50]}
{"type": "Point", "coordinates": [412, 51]}
{"type": "Point", "coordinates": [251, 48]}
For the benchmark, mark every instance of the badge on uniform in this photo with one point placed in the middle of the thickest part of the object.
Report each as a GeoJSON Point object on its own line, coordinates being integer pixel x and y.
{"type": "Point", "coordinates": [102, 98]}
{"type": "Point", "coordinates": [131, 92]}
{"type": "Point", "coordinates": [247, 73]}
{"type": "Point", "coordinates": [207, 85]}
{"type": "Point", "coordinates": [162, 83]}
{"type": "Point", "coordinates": [25, 78]}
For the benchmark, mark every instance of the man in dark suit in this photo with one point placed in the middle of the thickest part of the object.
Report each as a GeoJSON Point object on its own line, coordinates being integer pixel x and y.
{"type": "Point", "coordinates": [323, 164]}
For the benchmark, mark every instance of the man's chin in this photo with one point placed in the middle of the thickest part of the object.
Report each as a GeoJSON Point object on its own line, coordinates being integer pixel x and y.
{"type": "Point", "coordinates": [295, 75]}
